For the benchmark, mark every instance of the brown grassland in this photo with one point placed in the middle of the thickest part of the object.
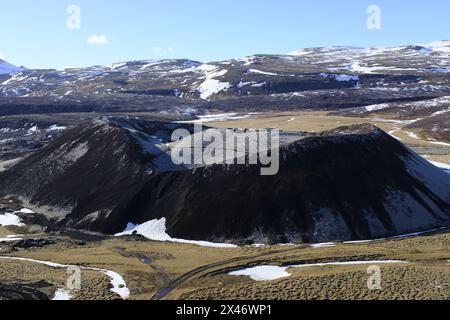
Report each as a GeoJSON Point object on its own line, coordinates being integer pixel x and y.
{"type": "Point", "coordinates": [149, 266]}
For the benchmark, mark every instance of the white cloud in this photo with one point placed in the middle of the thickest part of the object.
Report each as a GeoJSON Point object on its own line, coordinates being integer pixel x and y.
{"type": "Point", "coordinates": [98, 40]}
{"type": "Point", "coordinates": [2, 56]}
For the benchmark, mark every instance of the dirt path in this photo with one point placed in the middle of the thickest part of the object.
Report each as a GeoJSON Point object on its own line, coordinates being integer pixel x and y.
{"type": "Point", "coordinates": [164, 292]}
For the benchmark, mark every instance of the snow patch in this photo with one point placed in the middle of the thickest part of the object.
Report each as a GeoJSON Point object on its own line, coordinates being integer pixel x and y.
{"type": "Point", "coordinates": [248, 60]}
{"type": "Point", "coordinates": [263, 273]}
{"type": "Point", "coordinates": [156, 230]}
{"type": "Point", "coordinates": [261, 72]}
{"type": "Point", "coordinates": [24, 210]}
{"type": "Point", "coordinates": [438, 46]}
{"type": "Point", "coordinates": [259, 85]}
{"type": "Point", "coordinates": [210, 85]}
{"type": "Point", "coordinates": [323, 245]}
{"type": "Point", "coordinates": [218, 117]}
{"type": "Point", "coordinates": [412, 135]}
{"type": "Point", "coordinates": [433, 177]}
{"type": "Point", "coordinates": [299, 53]}
{"type": "Point", "coordinates": [440, 165]}
{"type": "Point", "coordinates": [56, 128]}
{"type": "Point", "coordinates": [118, 283]}
{"type": "Point", "coordinates": [10, 219]}
{"type": "Point", "coordinates": [268, 273]}
{"type": "Point", "coordinates": [340, 77]}
{"type": "Point", "coordinates": [244, 84]}
{"type": "Point", "coordinates": [78, 152]}
{"type": "Point", "coordinates": [62, 295]}
{"type": "Point", "coordinates": [345, 78]}
{"type": "Point", "coordinates": [377, 107]}
{"type": "Point", "coordinates": [356, 67]}
{"type": "Point", "coordinates": [33, 129]}
{"type": "Point", "coordinates": [357, 242]}
{"type": "Point", "coordinates": [11, 238]}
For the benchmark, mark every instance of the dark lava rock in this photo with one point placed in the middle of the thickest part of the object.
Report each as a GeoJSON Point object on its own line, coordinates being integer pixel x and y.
{"type": "Point", "coordinates": [32, 243]}
{"type": "Point", "coordinates": [28, 291]}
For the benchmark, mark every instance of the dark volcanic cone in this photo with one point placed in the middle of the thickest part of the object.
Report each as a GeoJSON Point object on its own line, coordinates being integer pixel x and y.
{"type": "Point", "coordinates": [350, 183]}
{"type": "Point", "coordinates": [347, 184]}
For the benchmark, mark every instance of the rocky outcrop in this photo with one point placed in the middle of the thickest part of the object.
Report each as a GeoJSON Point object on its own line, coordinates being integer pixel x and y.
{"type": "Point", "coordinates": [21, 291]}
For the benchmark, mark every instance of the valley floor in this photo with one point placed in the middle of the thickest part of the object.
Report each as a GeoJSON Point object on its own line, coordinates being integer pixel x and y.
{"type": "Point", "coordinates": [158, 270]}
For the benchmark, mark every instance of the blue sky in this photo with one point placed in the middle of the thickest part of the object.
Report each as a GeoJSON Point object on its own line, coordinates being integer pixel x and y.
{"type": "Point", "coordinates": [34, 33]}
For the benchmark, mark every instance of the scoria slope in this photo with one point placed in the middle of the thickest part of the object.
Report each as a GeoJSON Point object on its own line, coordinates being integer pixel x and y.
{"type": "Point", "coordinates": [350, 183]}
